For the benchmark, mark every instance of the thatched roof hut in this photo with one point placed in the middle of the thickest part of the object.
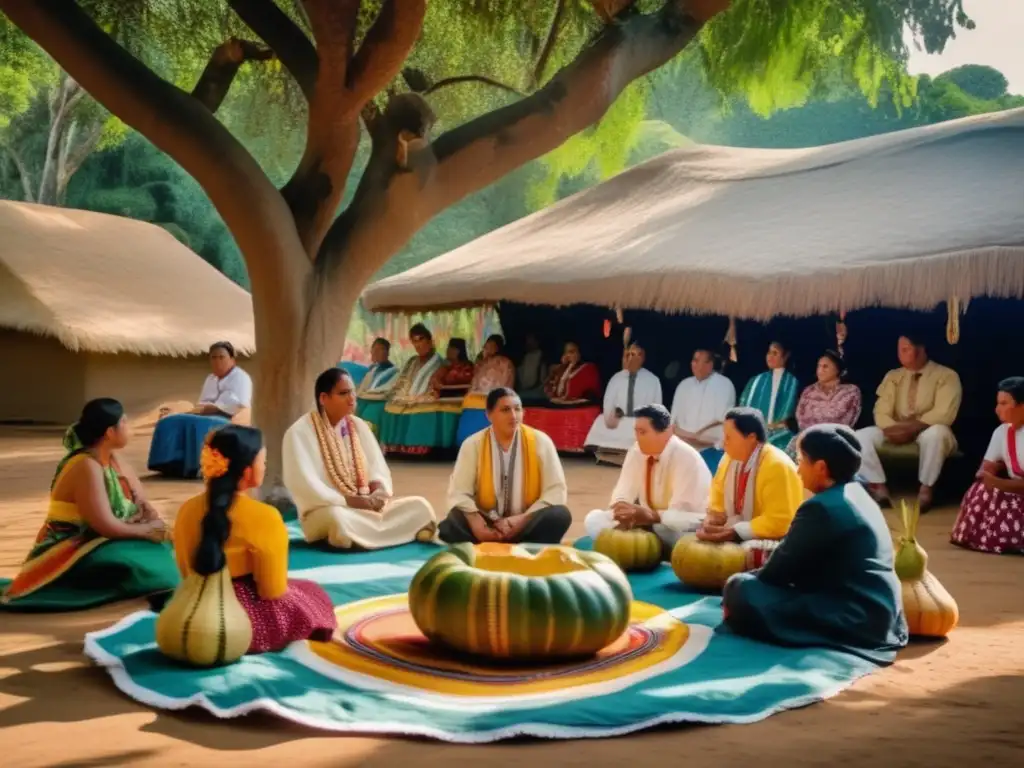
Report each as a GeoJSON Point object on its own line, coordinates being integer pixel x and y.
{"type": "Point", "coordinates": [96, 305]}
{"type": "Point", "coordinates": [906, 219]}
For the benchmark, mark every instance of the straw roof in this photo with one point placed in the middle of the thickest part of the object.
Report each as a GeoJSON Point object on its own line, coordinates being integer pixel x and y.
{"type": "Point", "coordinates": [905, 219]}
{"type": "Point", "coordinates": [102, 283]}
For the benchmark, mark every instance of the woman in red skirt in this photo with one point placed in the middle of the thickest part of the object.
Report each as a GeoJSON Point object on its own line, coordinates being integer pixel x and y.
{"type": "Point", "coordinates": [226, 528]}
{"type": "Point", "coordinates": [991, 515]}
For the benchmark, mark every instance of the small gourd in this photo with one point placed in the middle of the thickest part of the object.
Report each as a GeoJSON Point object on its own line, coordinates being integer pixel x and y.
{"type": "Point", "coordinates": [203, 624]}
{"type": "Point", "coordinates": [632, 550]}
{"type": "Point", "coordinates": [930, 610]}
{"type": "Point", "coordinates": [911, 559]}
{"type": "Point", "coordinates": [705, 564]}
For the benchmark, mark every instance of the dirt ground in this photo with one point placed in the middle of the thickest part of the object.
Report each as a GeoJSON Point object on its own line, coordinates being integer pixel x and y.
{"type": "Point", "coordinates": [941, 704]}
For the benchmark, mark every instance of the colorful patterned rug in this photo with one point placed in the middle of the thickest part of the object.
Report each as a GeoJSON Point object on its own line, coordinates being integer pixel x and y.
{"type": "Point", "coordinates": [380, 676]}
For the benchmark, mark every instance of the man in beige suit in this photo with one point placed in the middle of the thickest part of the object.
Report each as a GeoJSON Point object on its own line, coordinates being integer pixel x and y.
{"type": "Point", "coordinates": [917, 402]}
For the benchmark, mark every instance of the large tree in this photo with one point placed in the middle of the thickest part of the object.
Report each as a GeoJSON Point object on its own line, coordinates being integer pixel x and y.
{"type": "Point", "coordinates": [379, 66]}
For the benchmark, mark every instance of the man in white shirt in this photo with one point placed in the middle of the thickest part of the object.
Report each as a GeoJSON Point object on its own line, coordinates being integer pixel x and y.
{"type": "Point", "coordinates": [228, 389]}
{"type": "Point", "coordinates": [180, 429]}
{"type": "Point", "coordinates": [664, 484]}
{"type": "Point", "coordinates": [629, 390]}
{"type": "Point", "coordinates": [335, 471]}
{"type": "Point", "coordinates": [508, 483]}
{"type": "Point", "coordinates": [699, 407]}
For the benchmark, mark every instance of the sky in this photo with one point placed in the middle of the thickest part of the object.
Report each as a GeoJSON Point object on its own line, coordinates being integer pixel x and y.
{"type": "Point", "coordinates": [998, 41]}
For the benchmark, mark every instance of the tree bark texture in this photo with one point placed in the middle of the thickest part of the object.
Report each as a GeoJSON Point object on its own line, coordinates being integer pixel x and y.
{"type": "Point", "coordinates": [307, 264]}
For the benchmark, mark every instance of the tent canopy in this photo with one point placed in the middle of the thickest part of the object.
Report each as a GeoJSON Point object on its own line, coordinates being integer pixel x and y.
{"type": "Point", "coordinates": [108, 284]}
{"type": "Point", "coordinates": [905, 219]}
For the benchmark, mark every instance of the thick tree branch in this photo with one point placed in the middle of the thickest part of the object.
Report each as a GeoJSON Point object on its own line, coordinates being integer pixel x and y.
{"type": "Point", "coordinates": [334, 29]}
{"type": "Point", "coordinates": [226, 60]}
{"type": "Point", "coordinates": [395, 199]}
{"type": "Point", "coordinates": [174, 122]}
{"type": "Point", "coordinates": [385, 48]}
{"type": "Point", "coordinates": [400, 146]}
{"type": "Point", "coordinates": [288, 42]}
{"type": "Point", "coordinates": [549, 44]}
{"type": "Point", "coordinates": [481, 151]}
{"type": "Point", "coordinates": [345, 84]}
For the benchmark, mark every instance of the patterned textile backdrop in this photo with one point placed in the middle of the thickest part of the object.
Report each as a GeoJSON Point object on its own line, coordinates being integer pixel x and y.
{"type": "Point", "coordinates": [473, 325]}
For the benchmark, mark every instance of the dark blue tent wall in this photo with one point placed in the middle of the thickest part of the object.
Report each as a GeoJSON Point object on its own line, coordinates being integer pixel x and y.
{"type": "Point", "coordinates": [990, 348]}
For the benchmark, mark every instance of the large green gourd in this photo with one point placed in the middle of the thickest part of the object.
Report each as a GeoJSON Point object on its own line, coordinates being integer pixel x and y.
{"type": "Point", "coordinates": [520, 602]}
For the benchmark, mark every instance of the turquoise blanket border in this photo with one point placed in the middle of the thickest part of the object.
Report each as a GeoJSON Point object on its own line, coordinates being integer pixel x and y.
{"type": "Point", "coordinates": [729, 679]}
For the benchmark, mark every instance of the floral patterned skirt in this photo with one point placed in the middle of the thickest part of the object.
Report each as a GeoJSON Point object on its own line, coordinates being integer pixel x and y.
{"type": "Point", "coordinates": [304, 612]}
{"type": "Point", "coordinates": [990, 520]}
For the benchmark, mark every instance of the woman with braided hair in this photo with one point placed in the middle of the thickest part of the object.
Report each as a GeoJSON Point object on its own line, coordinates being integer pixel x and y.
{"type": "Point", "coordinates": [225, 527]}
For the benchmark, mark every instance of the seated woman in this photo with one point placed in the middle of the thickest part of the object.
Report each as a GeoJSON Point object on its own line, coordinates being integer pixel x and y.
{"type": "Point", "coordinates": [492, 370]}
{"type": "Point", "coordinates": [508, 483]}
{"type": "Point", "coordinates": [336, 473]}
{"type": "Point", "coordinates": [991, 515]}
{"type": "Point", "coordinates": [572, 396]}
{"type": "Point", "coordinates": [376, 384]}
{"type": "Point", "coordinates": [415, 421]}
{"type": "Point", "coordinates": [756, 489]}
{"type": "Point", "coordinates": [453, 378]}
{"type": "Point", "coordinates": [831, 581]}
{"type": "Point", "coordinates": [101, 540]}
{"type": "Point", "coordinates": [830, 400]}
{"type": "Point", "coordinates": [226, 397]}
{"type": "Point", "coordinates": [774, 393]}
{"type": "Point", "coordinates": [224, 527]}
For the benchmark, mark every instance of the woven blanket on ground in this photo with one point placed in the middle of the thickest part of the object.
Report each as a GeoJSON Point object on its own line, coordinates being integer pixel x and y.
{"type": "Point", "coordinates": [380, 676]}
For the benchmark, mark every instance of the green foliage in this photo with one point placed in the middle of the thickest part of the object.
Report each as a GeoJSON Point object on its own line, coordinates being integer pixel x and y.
{"type": "Point", "coordinates": [978, 81]}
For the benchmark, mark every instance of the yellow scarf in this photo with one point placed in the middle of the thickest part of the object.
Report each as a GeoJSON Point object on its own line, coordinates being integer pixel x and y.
{"type": "Point", "coordinates": [485, 496]}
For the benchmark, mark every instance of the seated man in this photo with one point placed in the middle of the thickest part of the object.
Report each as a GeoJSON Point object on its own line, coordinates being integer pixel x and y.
{"type": "Point", "coordinates": [663, 485]}
{"type": "Point", "coordinates": [628, 390]}
{"type": "Point", "coordinates": [917, 403]}
{"type": "Point", "coordinates": [508, 483]}
{"type": "Point", "coordinates": [830, 583]}
{"type": "Point", "coordinates": [335, 472]}
{"type": "Point", "coordinates": [699, 406]}
{"type": "Point", "coordinates": [376, 384]}
{"type": "Point", "coordinates": [414, 421]}
{"type": "Point", "coordinates": [756, 490]}
{"type": "Point", "coordinates": [226, 397]}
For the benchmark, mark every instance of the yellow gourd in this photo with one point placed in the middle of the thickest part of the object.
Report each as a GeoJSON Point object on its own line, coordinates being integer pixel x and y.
{"type": "Point", "coordinates": [707, 565]}
{"type": "Point", "coordinates": [633, 550]}
{"type": "Point", "coordinates": [203, 624]}
{"type": "Point", "coordinates": [931, 611]}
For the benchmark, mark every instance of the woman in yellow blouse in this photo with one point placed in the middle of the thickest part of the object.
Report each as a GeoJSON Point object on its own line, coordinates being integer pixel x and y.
{"type": "Point", "coordinates": [224, 527]}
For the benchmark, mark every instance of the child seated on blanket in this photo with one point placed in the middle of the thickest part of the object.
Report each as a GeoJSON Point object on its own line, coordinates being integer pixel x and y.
{"type": "Point", "coordinates": [225, 527]}
{"type": "Point", "coordinates": [830, 583]}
